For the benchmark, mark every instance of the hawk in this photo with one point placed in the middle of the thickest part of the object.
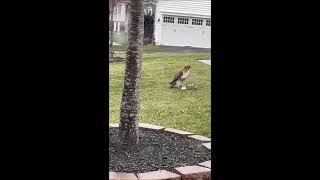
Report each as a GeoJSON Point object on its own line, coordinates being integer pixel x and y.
{"type": "Point", "coordinates": [180, 77]}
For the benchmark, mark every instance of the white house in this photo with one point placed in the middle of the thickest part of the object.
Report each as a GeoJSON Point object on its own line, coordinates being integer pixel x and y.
{"type": "Point", "coordinates": [120, 15]}
{"type": "Point", "coordinates": [183, 23]}
{"type": "Point", "coordinates": [177, 22]}
{"type": "Point", "coordinates": [120, 18]}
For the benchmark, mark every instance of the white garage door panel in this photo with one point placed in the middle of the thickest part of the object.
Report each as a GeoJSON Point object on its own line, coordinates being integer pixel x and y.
{"type": "Point", "coordinates": [185, 35]}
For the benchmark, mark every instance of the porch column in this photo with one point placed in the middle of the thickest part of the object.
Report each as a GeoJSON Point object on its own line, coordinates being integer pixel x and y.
{"type": "Point", "coordinates": [119, 26]}
{"type": "Point", "coordinates": [114, 26]}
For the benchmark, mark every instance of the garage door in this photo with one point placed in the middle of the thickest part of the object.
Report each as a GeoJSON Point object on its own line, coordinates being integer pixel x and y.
{"type": "Point", "coordinates": [185, 31]}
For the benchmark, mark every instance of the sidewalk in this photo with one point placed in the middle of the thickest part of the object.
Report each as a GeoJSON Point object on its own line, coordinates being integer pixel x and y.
{"type": "Point", "coordinates": [205, 61]}
{"type": "Point", "coordinates": [177, 50]}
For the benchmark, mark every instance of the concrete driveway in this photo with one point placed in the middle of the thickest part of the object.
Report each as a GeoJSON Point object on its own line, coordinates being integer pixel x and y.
{"type": "Point", "coordinates": [205, 61]}
{"type": "Point", "coordinates": [175, 49]}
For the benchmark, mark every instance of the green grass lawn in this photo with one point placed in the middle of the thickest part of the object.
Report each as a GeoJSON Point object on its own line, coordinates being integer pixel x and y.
{"type": "Point", "coordinates": [187, 110]}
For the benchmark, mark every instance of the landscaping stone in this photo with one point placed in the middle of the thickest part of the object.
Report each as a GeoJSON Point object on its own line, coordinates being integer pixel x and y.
{"type": "Point", "coordinates": [194, 172]}
{"type": "Point", "coordinates": [150, 126]}
{"type": "Point", "coordinates": [178, 132]}
{"type": "Point", "coordinates": [206, 164]}
{"type": "Point", "coordinates": [159, 175]}
{"type": "Point", "coordinates": [122, 176]}
{"type": "Point", "coordinates": [200, 138]}
{"type": "Point", "coordinates": [207, 145]}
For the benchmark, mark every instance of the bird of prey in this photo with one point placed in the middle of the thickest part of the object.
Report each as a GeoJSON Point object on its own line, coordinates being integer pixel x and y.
{"type": "Point", "coordinates": [180, 77]}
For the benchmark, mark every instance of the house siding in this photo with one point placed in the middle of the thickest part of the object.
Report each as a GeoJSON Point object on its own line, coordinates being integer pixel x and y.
{"type": "Point", "coordinates": [190, 8]}
{"type": "Point", "coordinates": [201, 7]}
{"type": "Point", "coordinates": [121, 13]}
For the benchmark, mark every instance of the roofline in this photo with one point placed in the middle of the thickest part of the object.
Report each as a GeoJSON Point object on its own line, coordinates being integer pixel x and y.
{"type": "Point", "coordinates": [186, 14]}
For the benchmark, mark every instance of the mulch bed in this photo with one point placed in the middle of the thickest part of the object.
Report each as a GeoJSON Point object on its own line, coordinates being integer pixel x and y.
{"type": "Point", "coordinates": [156, 151]}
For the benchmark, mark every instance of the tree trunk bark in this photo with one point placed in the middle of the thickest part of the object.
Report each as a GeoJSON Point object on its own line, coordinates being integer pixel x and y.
{"type": "Point", "coordinates": [130, 104]}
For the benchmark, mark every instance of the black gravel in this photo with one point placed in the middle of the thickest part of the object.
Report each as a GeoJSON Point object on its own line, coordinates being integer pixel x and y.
{"type": "Point", "coordinates": [155, 151]}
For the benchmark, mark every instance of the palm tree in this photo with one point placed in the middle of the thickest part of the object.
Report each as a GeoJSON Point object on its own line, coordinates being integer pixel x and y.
{"type": "Point", "coordinates": [130, 103]}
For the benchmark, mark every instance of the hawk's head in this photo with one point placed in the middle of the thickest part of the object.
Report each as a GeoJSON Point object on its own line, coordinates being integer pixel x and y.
{"type": "Point", "coordinates": [187, 67]}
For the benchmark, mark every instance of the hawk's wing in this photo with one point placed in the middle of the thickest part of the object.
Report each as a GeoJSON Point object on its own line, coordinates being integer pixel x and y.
{"type": "Point", "coordinates": [177, 76]}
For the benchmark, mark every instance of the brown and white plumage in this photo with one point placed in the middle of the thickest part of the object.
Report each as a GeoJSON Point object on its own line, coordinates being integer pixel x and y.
{"type": "Point", "coordinates": [180, 76]}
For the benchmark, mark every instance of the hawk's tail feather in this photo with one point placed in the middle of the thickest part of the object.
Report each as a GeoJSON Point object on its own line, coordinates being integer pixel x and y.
{"type": "Point", "coordinates": [173, 82]}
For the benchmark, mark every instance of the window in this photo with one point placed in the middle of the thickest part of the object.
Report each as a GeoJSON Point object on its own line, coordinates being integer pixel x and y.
{"type": "Point", "coordinates": [168, 19]}
{"type": "Point", "coordinates": [208, 22]}
{"type": "Point", "coordinates": [197, 22]}
{"type": "Point", "coordinates": [183, 21]}
{"type": "Point", "coordinates": [149, 11]}
{"type": "Point", "coordinates": [115, 14]}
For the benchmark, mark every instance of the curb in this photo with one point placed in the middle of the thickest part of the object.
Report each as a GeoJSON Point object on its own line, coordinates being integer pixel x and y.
{"type": "Point", "coordinates": [117, 60]}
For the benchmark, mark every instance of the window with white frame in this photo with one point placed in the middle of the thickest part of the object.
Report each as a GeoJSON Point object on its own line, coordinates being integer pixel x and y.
{"type": "Point", "coordinates": [197, 22]}
{"type": "Point", "coordinates": [168, 19]}
{"type": "Point", "coordinates": [183, 21]}
{"type": "Point", "coordinates": [208, 22]}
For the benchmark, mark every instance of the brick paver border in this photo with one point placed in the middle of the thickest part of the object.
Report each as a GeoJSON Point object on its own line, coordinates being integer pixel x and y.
{"type": "Point", "coordinates": [201, 171]}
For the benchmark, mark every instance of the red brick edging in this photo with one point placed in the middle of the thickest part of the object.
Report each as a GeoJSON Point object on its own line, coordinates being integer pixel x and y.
{"type": "Point", "coordinates": [202, 171]}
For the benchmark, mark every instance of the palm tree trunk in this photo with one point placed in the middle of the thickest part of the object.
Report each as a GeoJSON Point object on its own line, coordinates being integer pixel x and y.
{"type": "Point", "coordinates": [130, 104]}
